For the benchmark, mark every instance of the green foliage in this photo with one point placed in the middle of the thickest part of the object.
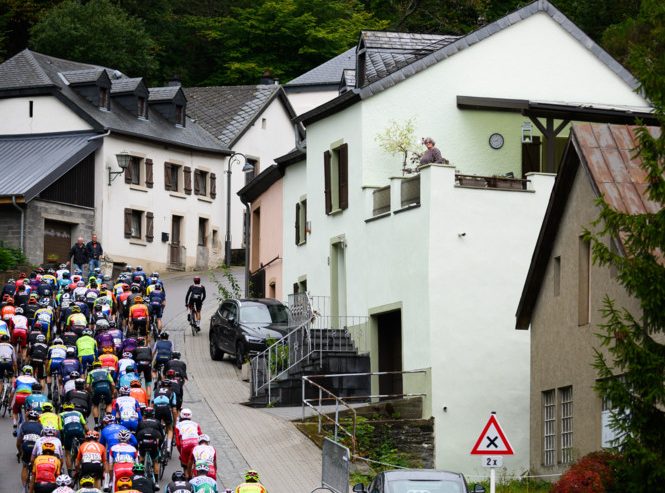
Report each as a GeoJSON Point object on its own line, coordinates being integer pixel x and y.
{"type": "Point", "coordinates": [398, 138]}
{"type": "Point", "coordinates": [97, 32]}
{"type": "Point", "coordinates": [526, 485]}
{"type": "Point", "coordinates": [228, 287]}
{"type": "Point", "coordinates": [279, 356]}
{"type": "Point", "coordinates": [11, 257]}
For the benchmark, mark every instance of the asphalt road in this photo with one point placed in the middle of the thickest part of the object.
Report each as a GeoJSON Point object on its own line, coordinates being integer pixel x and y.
{"type": "Point", "coordinates": [176, 323]}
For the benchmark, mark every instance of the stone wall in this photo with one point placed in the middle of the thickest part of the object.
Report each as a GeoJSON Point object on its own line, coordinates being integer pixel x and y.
{"type": "Point", "coordinates": [10, 225]}
{"type": "Point", "coordinates": [415, 438]}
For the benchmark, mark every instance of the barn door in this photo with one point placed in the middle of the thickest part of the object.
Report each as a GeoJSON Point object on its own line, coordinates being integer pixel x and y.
{"type": "Point", "coordinates": [57, 241]}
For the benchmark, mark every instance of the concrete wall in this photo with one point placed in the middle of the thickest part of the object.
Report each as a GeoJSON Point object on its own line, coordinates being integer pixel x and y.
{"type": "Point", "coordinates": [48, 115]}
{"type": "Point", "coordinates": [10, 225]}
{"type": "Point", "coordinates": [562, 351]}
{"type": "Point", "coordinates": [271, 230]}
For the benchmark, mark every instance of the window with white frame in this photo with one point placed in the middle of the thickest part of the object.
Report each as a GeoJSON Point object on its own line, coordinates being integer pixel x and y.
{"type": "Point", "coordinates": [566, 424]}
{"type": "Point", "coordinates": [549, 427]}
{"type": "Point", "coordinates": [301, 222]}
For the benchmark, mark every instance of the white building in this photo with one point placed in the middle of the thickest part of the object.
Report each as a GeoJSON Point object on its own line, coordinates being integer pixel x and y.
{"type": "Point", "coordinates": [437, 259]}
{"type": "Point", "coordinates": [64, 126]}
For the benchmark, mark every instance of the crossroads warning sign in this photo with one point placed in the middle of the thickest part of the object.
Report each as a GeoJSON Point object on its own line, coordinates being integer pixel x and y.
{"type": "Point", "coordinates": [492, 440]}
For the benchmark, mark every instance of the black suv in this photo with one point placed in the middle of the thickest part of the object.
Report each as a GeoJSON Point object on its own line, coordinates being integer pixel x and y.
{"type": "Point", "coordinates": [240, 327]}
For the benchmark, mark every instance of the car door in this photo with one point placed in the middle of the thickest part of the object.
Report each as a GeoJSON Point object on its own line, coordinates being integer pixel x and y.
{"type": "Point", "coordinates": [377, 485]}
{"type": "Point", "coordinates": [232, 326]}
{"type": "Point", "coordinates": [216, 322]}
{"type": "Point", "coordinates": [227, 326]}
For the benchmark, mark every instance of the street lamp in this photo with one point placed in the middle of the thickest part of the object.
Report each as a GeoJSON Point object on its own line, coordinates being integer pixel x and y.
{"type": "Point", "coordinates": [123, 162]}
{"type": "Point", "coordinates": [247, 167]}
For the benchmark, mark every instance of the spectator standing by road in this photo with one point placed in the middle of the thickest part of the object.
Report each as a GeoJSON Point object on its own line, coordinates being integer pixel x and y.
{"type": "Point", "coordinates": [94, 251]}
{"type": "Point", "coordinates": [79, 254]}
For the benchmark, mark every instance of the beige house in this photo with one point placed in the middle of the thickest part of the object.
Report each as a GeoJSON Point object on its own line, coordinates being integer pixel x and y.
{"type": "Point", "coordinates": [564, 292]}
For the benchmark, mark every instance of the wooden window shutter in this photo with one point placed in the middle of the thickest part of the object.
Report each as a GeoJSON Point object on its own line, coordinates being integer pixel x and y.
{"type": "Point", "coordinates": [149, 226]}
{"type": "Point", "coordinates": [188, 180]}
{"type": "Point", "coordinates": [197, 178]}
{"type": "Point", "coordinates": [213, 185]}
{"type": "Point", "coordinates": [148, 173]}
{"type": "Point", "coordinates": [128, 172]}
{"type": "Point", "coordinates": [298, 223]}
{"type": "Point", "coordinates": [326, 177]}
{"type": "Point", "coordinates": [344, 176]}
{"type": "Point", "coordinates": [128, 223]}
{"type": "Point", "coordinates": [168, 185]}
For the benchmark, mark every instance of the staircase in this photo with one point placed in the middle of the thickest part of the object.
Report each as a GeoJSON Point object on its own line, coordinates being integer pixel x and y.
{"type": "Point", "coordinates": [317, 344]}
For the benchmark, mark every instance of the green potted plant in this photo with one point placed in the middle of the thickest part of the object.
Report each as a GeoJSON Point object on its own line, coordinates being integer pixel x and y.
{"type": "Point", "coordinates": [399, 138]}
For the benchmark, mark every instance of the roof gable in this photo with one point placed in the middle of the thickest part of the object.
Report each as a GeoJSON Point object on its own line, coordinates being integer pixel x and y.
{"type": "Point", "coordinates": [23, 71]}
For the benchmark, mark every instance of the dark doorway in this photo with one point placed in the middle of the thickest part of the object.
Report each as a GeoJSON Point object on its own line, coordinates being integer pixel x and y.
{"type": "Point", "coordinates": [176, 230]}
{"type": "Point", "coordinates": [531, 156]}
{"type": "Point", "coordinates": [57, 241]}
{"type": "Point", "coordinates": [389, 326]}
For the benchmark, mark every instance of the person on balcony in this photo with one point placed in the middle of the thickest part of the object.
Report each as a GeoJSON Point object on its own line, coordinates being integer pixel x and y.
{"type": "Point", "coordinates": [432, 154]}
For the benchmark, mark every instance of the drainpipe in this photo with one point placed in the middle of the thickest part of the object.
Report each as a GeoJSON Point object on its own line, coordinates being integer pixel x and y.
{"type": "Point", "coordinates": [247, 206]}
{"type": "Point", "coordinates": [95, 137]}
{"type": "Point", "coordinates": [22, 234]}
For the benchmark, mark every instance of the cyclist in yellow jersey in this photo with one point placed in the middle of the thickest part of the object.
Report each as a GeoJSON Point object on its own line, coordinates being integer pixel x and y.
{"type": "Point", "coordinates": [251, 484]}
{"type": "Point", "coordinates": [49, 419]}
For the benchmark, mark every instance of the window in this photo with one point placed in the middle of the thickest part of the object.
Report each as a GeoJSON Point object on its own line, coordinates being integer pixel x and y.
{"type": "Point", "coordinates": [172, 179]}
{"type": "Point", "coordinates": [336, 165]}
{"type": "Point", "coordinates": [557, 276]}
{"type": "Point", "coordinates": [608, 433]}
{"type": "Point", "coordinates": [583, 282]}
{"type": "Point", "coordinates": [104, 100]}
{"type": "Point", "coordinates": [300, 286]}
{"type": "Point", "coordinates": [215, 238]}
{"type": "Point", "coordinates": [179, 115]}
{"type": "Point", "coordinates": [264, 123]}
{"type": "Point", "coordinates": [549, 423]}
{"type": "Point", "coordinates": [566, 405]}
{"type": "Point", "coordinates": [203, 231]}
{"type": "Point", "coordinates": [142, 109]}
{"type": "Point", "coordinates": [137, 221]}
{"type": "Point", "coordinates": [200, 182]}
{"type": "Point", "coordinates": [250, 175]}
{"type": "Point", "coordinates": [139, 225]}
{"type": "Point", "coordinates": [301, 222]}
{"type": "Point", "coordinates": [133, 171]}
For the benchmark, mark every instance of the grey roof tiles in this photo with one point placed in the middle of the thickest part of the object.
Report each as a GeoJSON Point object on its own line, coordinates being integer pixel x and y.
{"type": "Point", "coordinates": [328, 73]}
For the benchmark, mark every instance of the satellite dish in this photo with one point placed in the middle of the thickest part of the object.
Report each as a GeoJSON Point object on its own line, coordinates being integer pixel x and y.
{"type": "Point", "coordinates": [117, 74]}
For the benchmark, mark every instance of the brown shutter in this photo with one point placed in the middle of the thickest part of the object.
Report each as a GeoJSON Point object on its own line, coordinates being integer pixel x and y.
{"type": "Point", "coordinates": [326, 179]}
{"type": "Point", "coordinates": [343, 176]}
{"type": "Point", "coordinates": [168, 185]}
{"type": "Point", "coordinates": [188, 180]}
{"type": "Point", "coordinates": [297, 223]}
{"type": "Point", "coordinates": [197, 178]}
{"type": "Point", "coordinates": [128, 172]}
{"type": "Point", "coordinates": [148, 173]}
{"type": "Point", "coordinates": [213, 186]}
{"type": "Point", "coordinates": [149, 226]}
{"type": "Point", "coordinates": [128, 223]}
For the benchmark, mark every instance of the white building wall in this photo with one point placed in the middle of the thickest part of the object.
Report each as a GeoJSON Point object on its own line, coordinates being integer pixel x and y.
{"type": "Point", "coordinates": [48, 115]}
{"type": "Point", "coordinates": [110, 202]}
{"type": "Point", "coordinates": [304, 100]}
{"type": "Point", "coordinates": [272, 135]}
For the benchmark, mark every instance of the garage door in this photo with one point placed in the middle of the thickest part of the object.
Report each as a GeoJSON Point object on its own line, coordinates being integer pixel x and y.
{"type": "Point", "coordinates": [57, 241]}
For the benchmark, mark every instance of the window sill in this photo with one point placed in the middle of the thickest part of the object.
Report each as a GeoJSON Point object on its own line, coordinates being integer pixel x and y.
{"type": "Point", "coordinates": [378, 216]}
{"type": "Point", "coordinates": [407, 208]}
{"type": "Point", "coordinates": [301, 243]}
{"type": "Point", "coordinates": [178, 195]}
{"type": "Point", "coordinates": [138, 242]}
{"type": "Point", "coordinates": [203, 198]}
{"type": "Point", "coordinates": [138, 188]}
{"type": "Point", "coordinates": [335, 212]}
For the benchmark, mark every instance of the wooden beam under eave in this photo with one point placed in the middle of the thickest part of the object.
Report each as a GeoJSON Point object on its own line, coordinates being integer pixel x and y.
{"type": "Point", "coordinates": [7, 199]}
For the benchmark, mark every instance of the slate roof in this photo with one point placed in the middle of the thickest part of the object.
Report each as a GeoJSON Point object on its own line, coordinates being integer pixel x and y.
{"type": "Point", "coordinates": [328, 73]}
{"type": "Point", "coordinates": [227, 112]}
{"type": "Point", "coordinates": [163, 93]}
{"type": "Point", "coordinates": [31, 163]}
{"type": "Point", "coordinates": [30, 69]}
{"type": "Point", "coordinates": [385, 72]}
{"type": "Point", "coordinates": [606, 155]}
{"type": "Point", "coordinates": [82, 76]}
{"type": "Point", "coordinates": [125, 84]}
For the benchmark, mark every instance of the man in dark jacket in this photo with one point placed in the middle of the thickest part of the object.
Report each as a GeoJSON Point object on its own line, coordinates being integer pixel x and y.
{"type": "Point", "coordinates": [94, 251]}
{"type": "Point", "coordinates": [79, 254]}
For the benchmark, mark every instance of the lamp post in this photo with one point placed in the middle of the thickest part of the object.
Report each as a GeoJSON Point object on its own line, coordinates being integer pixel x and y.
{"type": "Point", "coordinates": [247, 167]}
{"type": "Point", "coordinates": [123, 162]}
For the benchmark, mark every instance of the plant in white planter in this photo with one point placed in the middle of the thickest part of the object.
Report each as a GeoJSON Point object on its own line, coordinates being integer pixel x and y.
{"type": "Point", "coordinates": [399, 138]}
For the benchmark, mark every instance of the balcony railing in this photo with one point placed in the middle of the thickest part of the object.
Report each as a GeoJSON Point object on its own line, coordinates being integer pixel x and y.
{"type": "Point", "coordinates": [381, 201]}
{"type": "Point", "coordinates": [496, 182]}
{"type": "Point", "coordinates": [410, 191]}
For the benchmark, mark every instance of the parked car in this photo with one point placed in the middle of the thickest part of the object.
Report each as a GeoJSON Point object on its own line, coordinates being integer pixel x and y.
{"type": "Point", "coordinates": [420, 480]}
{"type": "Point", "coordinates": [241, 326]}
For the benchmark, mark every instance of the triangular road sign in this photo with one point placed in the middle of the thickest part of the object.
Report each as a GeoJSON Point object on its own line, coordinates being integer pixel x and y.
{"type": "Point", "coordinates": [492, 440]}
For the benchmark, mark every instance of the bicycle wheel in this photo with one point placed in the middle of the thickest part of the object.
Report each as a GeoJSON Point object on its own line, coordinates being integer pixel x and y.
{"type": "Point", "coordinates": [4, 404]}
{"type": "Point", "coordinates": [149, 467]}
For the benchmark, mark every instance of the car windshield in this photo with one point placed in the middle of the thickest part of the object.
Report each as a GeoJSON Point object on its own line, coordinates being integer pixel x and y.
{"type": "Point", "coordinates": [258, 313]}
{"type": "Point", "coordinates": [424, 486]}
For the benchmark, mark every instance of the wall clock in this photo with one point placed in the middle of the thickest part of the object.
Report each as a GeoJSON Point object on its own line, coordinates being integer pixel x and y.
{"type": "Point", "coordinates": [496, 141]}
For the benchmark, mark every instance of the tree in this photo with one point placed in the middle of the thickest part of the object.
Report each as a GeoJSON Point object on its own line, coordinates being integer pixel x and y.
{"type": "Point", "coordinates": [97, 32]}
{"type": "Point", "coordinates": [632, 370]}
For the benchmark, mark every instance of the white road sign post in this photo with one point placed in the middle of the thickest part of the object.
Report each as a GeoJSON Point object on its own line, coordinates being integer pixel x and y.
{"type": "Point", "coordinates": [492, 444]}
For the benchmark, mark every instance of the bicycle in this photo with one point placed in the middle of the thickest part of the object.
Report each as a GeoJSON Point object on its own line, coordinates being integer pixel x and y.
{"type": "Point", "coordinates": [149, 467]}
{"type": "Point", "coordinates": [192, 320]}
{"type": "Point", "coordinates": [6, 392]}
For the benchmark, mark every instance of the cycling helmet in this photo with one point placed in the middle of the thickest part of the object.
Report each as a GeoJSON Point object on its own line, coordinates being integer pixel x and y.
{"type": "Point", "coordinates": [124, 483]}
{"type": "Point", "coordinates": [74, 375]}
{"type": "Point", "coordinates": [47, 407]}
{"type": "Point", "coordinates": [91, 435]}
{"type": "Point", "coordinates": [106, 278]}
{"type": "Point", "coordinates": [175, 355]}
{"type": "Point", "coordinates": [44, 302]}
{"type": "Point", "coordinates": [36, 387]}
{"type": "Point", "coordinates": [71, 351]}
{"type": "Point", "coordinates": [33, 414]}
{"type": "Point", "coordinates": [96, 364]}
{"type": "Point", "coordinates": [10, 300]}
{"type": "Point", "coordinates": [86, 481]}
{"type": "Point", "coordinates": [57, 340]}
{"type": "Point", "coordinates": [124, 390]}
{"type": "Point", "coordinates": [65, 275]}
{"type": "Point", "coordinates": [63, 480]}
{"type": "Point", "coordinates": [135, 288]}
{"type": "Point", "coordinates": [164, 382]}
{"type": "Point", "coordinates": [139, 268]}
{"type": "Point", "coordinates": [140, 341]}
{"type": "Point", "coordinates": [124, 435]}
{"type": "Point", "coordinates": [149, 412]}
{"type": "Point", "coordinates": [97, 308]}
{"type": "Point", "coordinates": [155, 274]}
{"type": "Point", "coordinates": [18, 311]}
{"type": "Point", "coordinates": [135, 384]}
{"type": "Point", "coordinates": [68, 406]}
{"type": "Point", "coordinates": [204, 438]}
{"type": "Point", "coordinates": [111, 324]}
{"type": "Point", "coordinates": [158, 286]}
{"type": "Point", "coordinates": [76, 309]}
{"type": "Point", "coordinates": [129, 369]}
{"type": "Point", "coordinates": [79, 383]}
{"type": "Point", "coordinates": [87, 332]}
{"type": "Point", "coordinates": [48, 447]}
{"type": "Point", "coordinates": [138, 299]}
{"type": "Point", "coordinates": [197, 280]}
{"type": "Point", "coordinates": [49, 431]}
{"type": "Point", "coordinates": [138, 468]}
{"type": "Point", "coordinates": [164, 335]}
{"type": "Point", "coordinates": [127, 355]}
{"type": "Point", "coordinates": [170, 373]}
{"type": "Point", "coordinates": [40, 338]}
{"type": "Point", "coordinates": [128, 268]}
{"type": "Point", "coordinates": [80, 284]}
{"type": "Point", "coordinates": [178, 476]}
{"type": "Point", "coordinates": [252, 476]}
{"type": "Point", "coordinates": [102, 323]}
{"type": "Point", "coordinates": [186, 413]}
{"type": "Point", "coordinates": [97, 270]}
{"type": "Point", "coordinates": [202, 467]}
{"type": "Point", "coordinates": [4, 338]}
{"type": "Point", "coordinates": [108, 419]}
{"type": "Point", "coordinates": [27, 370]}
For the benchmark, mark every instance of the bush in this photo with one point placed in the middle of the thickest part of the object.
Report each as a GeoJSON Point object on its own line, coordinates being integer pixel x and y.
{"type": "Point", "coordinates": [591, 474]}
{"type": "Point", "coordinates": [11, 257]}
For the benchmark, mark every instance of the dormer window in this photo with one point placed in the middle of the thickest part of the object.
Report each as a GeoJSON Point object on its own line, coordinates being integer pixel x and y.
{"type": "Point", "coordinates": [104, 100]}
{"type": "Point", "coordinates": [142, 108]}
{"type": "Point", "coordinates": [180, 115]}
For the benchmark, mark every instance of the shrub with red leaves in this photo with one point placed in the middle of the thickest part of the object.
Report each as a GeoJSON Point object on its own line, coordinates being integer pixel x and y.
{"type": "Point", "coordinates": [591, 474]}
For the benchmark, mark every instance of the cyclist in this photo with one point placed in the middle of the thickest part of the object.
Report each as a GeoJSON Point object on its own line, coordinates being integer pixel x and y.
{"type": "Point", "coordinates": [64, 482]}
{"type": "Point", "coordinates": [125, 379]}
{"type": "Point", "coordinates": [139, 317]}
{"type": "Point", "coordinates": [19, 326]}
{"type": "Point", "coordinates": [44, 315]}
{"type": "Point", "coordinates": [196, 295]}
{"type": "Point", "coordinates": [118, 336]}
{"type": "Point", "coordinates": [122, 456]}
{"type": "Point", "coordinates": [87, 484]}
{"type": "Point", "coordinates": [150, 437]}
{"type": "Point", "coordinates": [161, 352]}
{"type": "Point", "coordinates": [178, 387]}
{"type": "Point", "coordinates": [177, 365]}
{"type": "Point", "coordinates": [204, 453]}
{"type": "Point", "coordinates": [251, 484]}
{"type": "Point", "coordinates": [186, 437]}
{"type": "Point", "coordinates": [91, 458]}
{"type": "Point", "coordinates": [140, 482]}
{"type": "Point", "coordinates": [80, 398]}
{"type": "Point", "coordinates": [101, 385]}
{"type": "Point", "coordinates": [56, 355]}
{"type": "Point", "coordinates": [143, 357]}
{"type": "Point", "coordinates": [164, 401]}
{"type": "Point", "coordinates": [138, 393]}
{"type": "Point", "coordinates": [70, 365]}
{"type": "Point", "coordinates": [178, 484]}
{"type": "Point", "coordinates": [22, 389]}
{"type": "Point", "coordinates": [49, 419]}
{"type": "Point", "coordinates": [49, 435]}
{"type": "Point", "coordinates": [126, 362]}
{"type": "Point", "coordinates": [109, 361]}
{"type": "Point", "coordinates": [76, 318]}
{"type": "Point", "coordinates": [38, 353]}
{"type": "Point", "coordinates": [8, 364]}
{"type": "Point", "coordinates": [45, 469]}
{"type": "Point", "coordinates": [87, 349]}
{"type": "Point", "coordinates": [36, 400]}
{"type": "Point", "coordinates": [103, 335]}
{"type": "Point", "coordinates": [73, 426]}
{"type": "Point", "coordinates": [157, 300]}
{"type": "Point", "coordinates": [110, 435]}
{"type": "Point", "coordinates": [28, 434]}
{"type": "Point", "coordinates": [8, 310]}
{"type": "Point", "coordinates": [126, 410]}
{"type": "Point", "coordinates": [202, 483]}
